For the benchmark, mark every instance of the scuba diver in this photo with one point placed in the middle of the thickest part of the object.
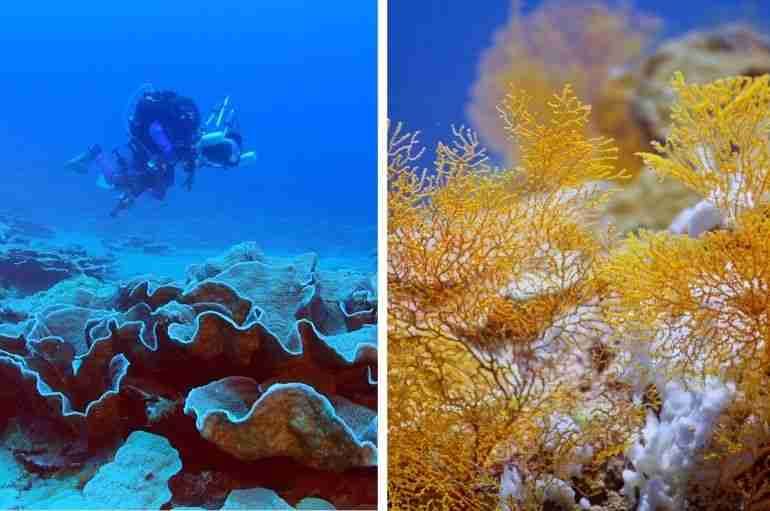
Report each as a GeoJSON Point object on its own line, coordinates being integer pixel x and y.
{"type": "Point", "coordinates": [165, 130]}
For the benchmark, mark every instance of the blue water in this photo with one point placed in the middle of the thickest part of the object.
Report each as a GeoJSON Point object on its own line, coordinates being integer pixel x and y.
{"type": "Point", "coordinates": [302, 75]}
{"type": "Point", "coordinates": [434, 48]}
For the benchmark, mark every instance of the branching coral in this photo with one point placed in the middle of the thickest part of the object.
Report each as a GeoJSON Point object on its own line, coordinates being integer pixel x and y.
{"type": "Point", "coordinates": [710, 292]}
{"type": "Point", "coordinates": [698, 309]}
{"type": "Point", "coordinates": [718, 143]}
{"type": "Point", "coordinates": [505, 294]}
{"type": "Point", "coordinates": [492, 310]}
{"type": "Point", "coordinates": [582, 43]}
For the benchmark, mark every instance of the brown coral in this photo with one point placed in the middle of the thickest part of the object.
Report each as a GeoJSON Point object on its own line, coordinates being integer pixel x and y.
{"type": "Point", "coordinates": [99, 373]}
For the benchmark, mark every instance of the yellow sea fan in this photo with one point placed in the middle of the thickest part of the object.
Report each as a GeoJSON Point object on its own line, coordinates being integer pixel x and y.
{"type": "Point", "coordinates": [583, 43]}
{"type": "Point", "coordinates": [701, 307]}
{"type": "Point", "coordinates": [558, 152]}
{"type": "Point", "coordinates": [491, 288]}
{"type": "Point", "coordinates": [708, 298]}
{"type": "Point", "coordinates": [718, 144]}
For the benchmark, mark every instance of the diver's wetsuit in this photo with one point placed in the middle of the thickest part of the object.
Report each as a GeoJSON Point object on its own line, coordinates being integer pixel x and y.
{"type": "Point", "coordinates": [163, 130]}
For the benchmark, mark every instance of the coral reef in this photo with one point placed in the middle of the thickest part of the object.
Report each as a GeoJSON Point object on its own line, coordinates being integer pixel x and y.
{"type": "Point", "coordinates": [566, 367]}
{"type": "Point", "coordinates": [705, 299]}
{"type": "Point", "coordinates": [260, 498]}
{"type": "Point", "coordinates": [492, 315]}
{"type": "Point", "coordinates": [666, 451]}
{"type": "Point", "coordinates": [286, 420]}
{"type": "Point", "coordinates": [241, 253]}
{"type": "Point", "coordinates": [256, 375]}
{"type": "Point", "coordinates": [702, 56]}
{"type": "Point", "coordinates": [29, 270]}
{"type": "Point", "coordinates": [138, 477]}
{"type": "Point", "coordinates": [648, 202]}
{"type": "Point", "coordinates": [602, 51]}
{"type": "Point", "coordinates": [584, 44]}
{"type": "Point", "coordinates": [14, 229]}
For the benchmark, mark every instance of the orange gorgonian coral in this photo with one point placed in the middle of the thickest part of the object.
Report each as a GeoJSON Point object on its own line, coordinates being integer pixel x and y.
{"type": "Point", "coordinates": [492, 312]}
{"type": "Point", "coordinates": [701, 306]}
{"type": "Point", "coordinates": [582, 43]}
{"type": "Point", "coordinates": [718, 143]}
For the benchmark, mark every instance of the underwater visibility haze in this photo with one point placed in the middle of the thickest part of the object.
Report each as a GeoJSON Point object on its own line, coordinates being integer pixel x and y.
{"type": "Point", "coordinates": [302, 78]}
{"type": "Point", "coordinates": [188, 255]}
{"type": "Point", "coordinates": [424, 50]}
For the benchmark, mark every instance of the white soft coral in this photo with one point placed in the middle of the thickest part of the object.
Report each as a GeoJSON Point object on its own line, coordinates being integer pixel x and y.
{"type": "Point", "coordinates": [700, 218]}
{"type": "Point", "coordinates": [668, 448]}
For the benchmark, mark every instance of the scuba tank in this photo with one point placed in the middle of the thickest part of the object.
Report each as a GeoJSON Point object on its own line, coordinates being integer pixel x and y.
{"type": "Point", "coordinates": [143, 90]}
{"type": "Point", "coordinates": [177, 115]}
